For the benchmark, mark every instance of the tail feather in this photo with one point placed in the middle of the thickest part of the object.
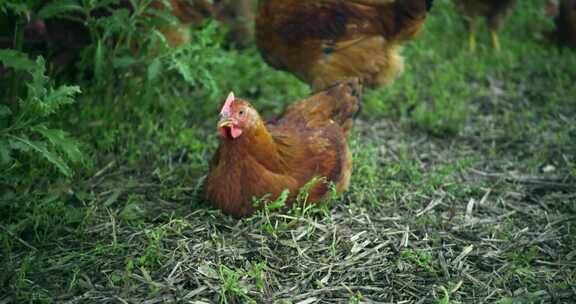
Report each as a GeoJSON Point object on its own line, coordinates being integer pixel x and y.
{"type": "Point", "coordinates": [346, 103]}
{"type": "Point", "coordinates": [356, 93]}
{"type": "Point", "coordinates": [410, 16]}
{"type": "Point", "coordinates": [338, 103]}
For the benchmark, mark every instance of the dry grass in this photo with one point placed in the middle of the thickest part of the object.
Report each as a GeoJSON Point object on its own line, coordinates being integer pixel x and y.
{"type": "Point", "coordinates": [475, 236]}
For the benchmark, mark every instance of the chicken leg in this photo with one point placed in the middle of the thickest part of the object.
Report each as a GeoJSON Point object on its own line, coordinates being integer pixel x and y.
{"type": "Point", "coordinates": [472, 42]}
{"type": "Point", "coordinates": [495, 40]}
{"type": "Point", "coordinates": [495, 11]}
{"type": "Point", "coordinates": [471, 25]}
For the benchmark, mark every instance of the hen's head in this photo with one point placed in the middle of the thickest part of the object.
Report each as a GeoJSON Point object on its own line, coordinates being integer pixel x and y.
{"type": "Point", "coordinates": [236, 117]}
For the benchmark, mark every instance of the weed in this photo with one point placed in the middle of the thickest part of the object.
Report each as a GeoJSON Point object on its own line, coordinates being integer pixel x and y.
{"type": "Point", "coordinates": [422, 259]}
{"type": "Point", "coordinates": [27, 131]}
{"type": "Point", "coordinates": [256, 272]}
{"type": "Point", "coordinates": [231, 287]}
{"type": "Point", "coordinates": [356, 298]}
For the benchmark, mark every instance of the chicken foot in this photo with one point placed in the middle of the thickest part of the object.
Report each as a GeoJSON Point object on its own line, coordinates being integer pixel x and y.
{"type": "Point", "coordinates": [495, 40]}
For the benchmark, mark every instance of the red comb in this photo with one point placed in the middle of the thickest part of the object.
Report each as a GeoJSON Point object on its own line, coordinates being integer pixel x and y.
{"type": "Point", "coordinates": [228, 104]}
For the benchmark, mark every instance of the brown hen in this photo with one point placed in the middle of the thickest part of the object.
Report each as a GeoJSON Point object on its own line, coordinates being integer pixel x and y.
{"type": "Point", "coordinates": [324, 42]}
{"type": "Point", "coordinates": [189, 13]}
{"type": "Point", "coordinates": [238, 16]}
{"type": "Point", "coordinates": [258, 158]}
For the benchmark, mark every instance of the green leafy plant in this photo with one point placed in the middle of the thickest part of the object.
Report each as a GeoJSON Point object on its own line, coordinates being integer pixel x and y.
{"type": "Point", "coordinates": [270, 224]}
{"type": "Point", "coordinates": [24, 127]}
{"type": "Point", "coordinates": [420, 258]}
{"type": "Point", "coordinates": [256, 271]}
{"type": "Point", "coordinates": [232, 287]}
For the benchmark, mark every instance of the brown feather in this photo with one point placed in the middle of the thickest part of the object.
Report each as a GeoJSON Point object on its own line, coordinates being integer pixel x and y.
{"type": "Point", "coordinates": [238, 16]}
{"type": "Point", "coordinates": [189, 13]}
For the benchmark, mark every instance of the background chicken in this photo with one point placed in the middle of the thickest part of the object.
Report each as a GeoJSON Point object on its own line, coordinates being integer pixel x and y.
{"type": "Point", "coordinates": [188, 13]}
{"type": "Point", "coordinates": [495, 11]}
{"type": "Point", "coordinates": [238, 16]}
{"type": "Point", "coordinates": [323, 42]}
{"type": "Point", "coordinates": [565, 19]}
{"type": "Point", "coordinates": [257, 158]}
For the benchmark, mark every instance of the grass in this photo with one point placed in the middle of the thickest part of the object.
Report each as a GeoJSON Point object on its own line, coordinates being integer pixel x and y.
{"type": "Point", "coordinates": [464, 190]}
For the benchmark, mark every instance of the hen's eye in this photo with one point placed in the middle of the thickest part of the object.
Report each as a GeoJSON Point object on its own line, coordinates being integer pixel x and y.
{"type": "Point", "coordinates": [241, 112]}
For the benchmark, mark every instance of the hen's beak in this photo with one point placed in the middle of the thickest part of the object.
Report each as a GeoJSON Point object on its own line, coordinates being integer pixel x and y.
{"type": "Point", "coordinates": [229, 127]}
{"type": "Point", "coordinates": [225, 123]}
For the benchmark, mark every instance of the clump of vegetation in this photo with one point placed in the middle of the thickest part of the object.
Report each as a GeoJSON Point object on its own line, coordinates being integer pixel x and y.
{"type": "Point", "coordinates": [25, 132]}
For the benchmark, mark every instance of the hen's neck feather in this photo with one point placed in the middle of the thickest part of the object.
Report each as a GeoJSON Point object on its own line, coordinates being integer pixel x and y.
{"type": "Point", "coordinates": [255, 144]}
